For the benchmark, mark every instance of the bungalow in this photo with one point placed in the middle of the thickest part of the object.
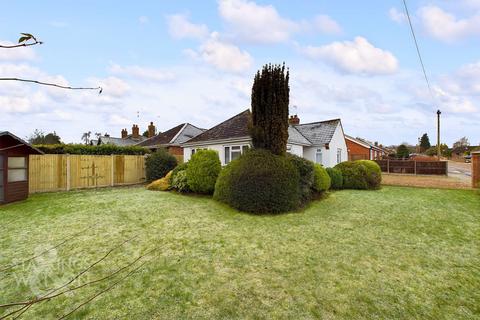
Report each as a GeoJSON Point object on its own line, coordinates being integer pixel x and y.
{"type": "Point", "coordinates": [126, 139]}
{"type": "Point", "coordinates": [361, 149]}
{"type": "Point", "coordinates": [322, 142]}
{"type": "Point", "coordinates": [172, 138]}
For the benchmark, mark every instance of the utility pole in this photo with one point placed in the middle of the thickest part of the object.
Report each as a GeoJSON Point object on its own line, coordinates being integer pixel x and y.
{"type": "Point", "coordinates": [438, 134]}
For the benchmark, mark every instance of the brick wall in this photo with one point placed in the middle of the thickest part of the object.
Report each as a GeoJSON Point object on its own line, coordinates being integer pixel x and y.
{"type": "Point", "coordinates": [356, 151]}
{"type": "Point", "coordinates": [176, 151]}
{"type": "Point", "coordinates": [476, 169]}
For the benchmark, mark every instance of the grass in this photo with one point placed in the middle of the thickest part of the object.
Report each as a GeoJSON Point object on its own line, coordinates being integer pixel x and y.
{"type": "Point", "coordinates": [396, 253]}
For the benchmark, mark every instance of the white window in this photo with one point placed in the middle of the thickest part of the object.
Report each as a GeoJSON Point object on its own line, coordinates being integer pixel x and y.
{"type": "Point", "coordinates": [17, 169]}
{"type": "Point", "coordinates": [319, 156]}
{"type": "Point", "coordinates": [339, 155]}
{"type": "Point", "coordinates": [234, 152]}
{"type": "Point", "coordinates": [193, 152]}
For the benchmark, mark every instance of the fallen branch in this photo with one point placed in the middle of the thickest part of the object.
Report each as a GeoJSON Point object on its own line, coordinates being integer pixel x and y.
{"type": "Point", "coordinates": [22, 42]}
{"type": "Point", "coordinates": [100, 89]}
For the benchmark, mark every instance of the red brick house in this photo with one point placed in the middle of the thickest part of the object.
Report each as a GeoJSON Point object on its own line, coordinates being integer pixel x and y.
{"type": "Point", "coordinates": [360, 149]}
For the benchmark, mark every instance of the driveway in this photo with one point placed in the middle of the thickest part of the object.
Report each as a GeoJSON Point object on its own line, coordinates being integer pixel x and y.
{"type": "Point", "coordinates": [460, 170]}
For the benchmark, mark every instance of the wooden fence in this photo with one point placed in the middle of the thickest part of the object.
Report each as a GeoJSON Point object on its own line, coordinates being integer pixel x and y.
{"type": "Point", "coordinates": [63, 172]}
{"type": "Point", "coordinates": [414, 167]}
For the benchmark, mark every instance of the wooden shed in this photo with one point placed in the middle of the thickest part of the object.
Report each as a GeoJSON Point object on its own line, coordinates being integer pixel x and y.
{"type": "Point", "coordinates": [14, 167]}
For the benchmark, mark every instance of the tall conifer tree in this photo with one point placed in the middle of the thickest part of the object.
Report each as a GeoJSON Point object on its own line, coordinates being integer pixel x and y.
{"type": "Point", "coordinates": [270, 99]}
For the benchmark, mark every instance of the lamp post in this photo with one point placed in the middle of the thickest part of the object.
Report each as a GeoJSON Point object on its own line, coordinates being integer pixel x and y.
{"type": "Point", "coordinates": [438, 134]}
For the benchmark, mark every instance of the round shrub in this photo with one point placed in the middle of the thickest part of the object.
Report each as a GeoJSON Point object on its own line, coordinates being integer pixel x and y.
{"type": "Point", "coordinates": [202, 171]}
{"type": "Point", "coordinates": [353, 175]}
{"type": "Point", "coordinates": [162, 184]}
{"type": "Point", "coordinates": [259, 182]}
{"type": "Point", "coordinates": [322, 180]}
{"type": "Point", "coordinates": [158, 164]}
{"type": "Point", "coordinates": [305, 170]}
{"type": "Point", "coordinates": [373, 174]}
{"type": "Point", "coordinates": [336, 178]}
{"type": "Point", "coordinates": [180, 182]}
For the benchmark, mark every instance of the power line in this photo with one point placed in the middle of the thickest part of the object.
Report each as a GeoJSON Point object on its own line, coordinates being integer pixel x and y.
{"type": "Point", "coordinates": [418, 49]}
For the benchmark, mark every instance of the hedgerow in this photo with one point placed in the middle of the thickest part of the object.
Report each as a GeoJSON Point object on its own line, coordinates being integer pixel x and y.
{"type": "Point", "coordinates": [104, 149]}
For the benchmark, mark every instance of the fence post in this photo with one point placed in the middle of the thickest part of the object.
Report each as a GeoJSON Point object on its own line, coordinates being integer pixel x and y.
{"type": "Point", "coordinates": [446, 168]}
{"type": "Point", "coordinates": [68, 172]}
{"type": "Point", "coordinates": [113, 169]}
{"type": "Point", "coordinates": [388, 165]}
{"type": "Point", "coordinates": [415, 167]}
{"type": "Point", "coordinates": [475, 169]}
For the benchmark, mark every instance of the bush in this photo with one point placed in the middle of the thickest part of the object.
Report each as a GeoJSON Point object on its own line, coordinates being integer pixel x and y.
{"type": "Point", "coordinates": [180, 167]}
{"type": "Point", "coordinates": [322, 180]}
{"type": "Point", "coordinates": [360, 174]}
{"type": "Point", "coordinates": [259, 182]}
{"type": "Point", "coordinates": [374, 173]}
{"type": "Point", "coordinates": [202, 171]}
{"type": "Point", "coordinates": [336, 178]}
{"type": "Point", "coordinates": [158, 164]}
{"type": "Point", "coordinates": [305, 170]}
{"type": "Point", "coordinates": [104, 149]}
{"type": "Point", "coordinates": [162, 184]}
{"type": "Point", "coordinates": [180, 182]}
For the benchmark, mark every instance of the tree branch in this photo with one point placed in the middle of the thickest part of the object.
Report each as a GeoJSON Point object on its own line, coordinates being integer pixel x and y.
{"type": "Point", "coordinates": [20, 45]}
{"type": "Point", "coordinates": [100, 89]}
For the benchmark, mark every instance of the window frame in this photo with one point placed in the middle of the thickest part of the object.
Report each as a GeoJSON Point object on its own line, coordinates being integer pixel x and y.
{"type": "Point", "coordinates": [319, 151]}
{"type": "Point", "coordinates": [228, 154]}
{"type": "Point", "coordinates": [339, 155]}
{"type": "Point", "coordinates": [17, 168]}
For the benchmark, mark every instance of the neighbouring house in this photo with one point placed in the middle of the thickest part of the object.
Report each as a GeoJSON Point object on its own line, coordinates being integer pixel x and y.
{"type": "Point", "coordinates": [172, 139]}
{"type": "Point", "coordinates": [321, 142]}
{"type": "Point", "coordinates": [14, 164]}
{"type": "Point", "coordinates": [459, 153]}
{"type": "Point", "coordinates": [361, 149]}
{"type": "Point", "coordinates": [126, 139]}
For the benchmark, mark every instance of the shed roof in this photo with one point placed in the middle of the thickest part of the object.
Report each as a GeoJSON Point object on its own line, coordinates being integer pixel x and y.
{"type": "Point", "coordinates": [15, 142]}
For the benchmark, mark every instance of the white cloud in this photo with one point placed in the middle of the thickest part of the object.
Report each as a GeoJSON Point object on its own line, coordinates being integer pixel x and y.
{"type": "Point", "coordinates": [358, 56]}
{"type": "Point", "coordinates": [180, 27]}
{"type": "Point", "coordinates": [222, 55]}
{"type": "Point", "coordinates": [256, 23]}
{"type": "Point", "coordinates": [111, 86]}
{"type": "Point", "coordinates": [326, 24]}
{"type": "Point", "coordinates": [142, 73]}
{"type": "Point", "coordinates": [58, 24]}
{"type": "Point", "coordinates": [116, 119]}
{"type": "Point", "coordinates": [16, 54]}
{"type": "Point", "coordinates": [445, 26]}
{"type": "Point", "coordinates": [143, 20]}
{"type": "Point", "coordinates": [396, 15]}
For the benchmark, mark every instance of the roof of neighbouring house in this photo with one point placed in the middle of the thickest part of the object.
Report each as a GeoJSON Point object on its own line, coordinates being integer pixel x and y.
{"type": "Point", "coordinates": [122, 142]}
{"type": "Point", "coordinates": [358, 141]}
{"type": "Point", "coordinates": [319, 133]}
{"type": "Point", "coordinates": [237, 127]}
{"type": "Point", "coordinates": [173, 136]}
{"type": "Point", "coordinates": [17, 142]}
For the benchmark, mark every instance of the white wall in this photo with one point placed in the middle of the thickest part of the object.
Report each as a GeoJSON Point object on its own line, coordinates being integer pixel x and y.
{"type": "Point", "coordinates": [220, 148]}
{"type": "Point", "coordinates": [329, 156]}
{"type": "Point", "coordinates": [295, 149]}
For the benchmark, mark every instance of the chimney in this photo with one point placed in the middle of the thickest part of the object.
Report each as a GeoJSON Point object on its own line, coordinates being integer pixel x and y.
{"type": "Point", "coordinates": [135, 131]}
{"type": "Point", "coordinates": [376, 143]}
{"type": "Point", "coordinates": [151, 130]}
{"type": "Point", "coordinates": [294, 120]}
{"type": "Point", "coordinates": [124, 133]}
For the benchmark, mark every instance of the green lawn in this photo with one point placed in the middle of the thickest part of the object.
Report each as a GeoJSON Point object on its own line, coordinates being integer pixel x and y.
{"type": "Point", "coordinates": [397, 253]}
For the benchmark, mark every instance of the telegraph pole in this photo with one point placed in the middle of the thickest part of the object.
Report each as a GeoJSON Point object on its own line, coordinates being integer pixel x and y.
{"type": "Point", "coordinates": [438, 134]}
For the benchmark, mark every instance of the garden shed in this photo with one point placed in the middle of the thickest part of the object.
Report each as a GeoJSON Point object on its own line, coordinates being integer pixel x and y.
{"type": "Point", "coordinates": [14, 154]}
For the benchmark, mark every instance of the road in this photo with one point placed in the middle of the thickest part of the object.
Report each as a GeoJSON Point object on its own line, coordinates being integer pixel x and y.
{"type": "Point", "coordinates": [460, 170]}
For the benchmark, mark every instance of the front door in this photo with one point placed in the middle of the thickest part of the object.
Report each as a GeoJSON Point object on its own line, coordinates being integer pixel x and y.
{"type": "Point", "coordinates": [2, 178]}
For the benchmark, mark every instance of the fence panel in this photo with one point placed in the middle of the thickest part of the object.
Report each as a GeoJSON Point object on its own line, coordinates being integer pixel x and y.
{"type": "Point", "coordinates": [64, 172]}
{"type": "Point", "coordinates": [414, 167]}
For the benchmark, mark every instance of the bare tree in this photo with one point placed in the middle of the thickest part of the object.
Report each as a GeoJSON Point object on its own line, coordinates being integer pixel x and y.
{"type": "Point", "coordinates": [27, 40]}
{"type": "Point", "coordinates": [86, 136]}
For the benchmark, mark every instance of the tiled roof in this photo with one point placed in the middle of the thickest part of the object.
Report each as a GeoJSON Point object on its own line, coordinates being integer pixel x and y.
{"type": "Point", "coordinates": [235, 127]}
{"type": "Point", "coordinates": [175, 135]}
{"type": "Point", "coordinates": [128, 141]}
{"type": "Point", "coordinates": [319, 133]}
{"type": "Point", "coordinates": [295, 137]}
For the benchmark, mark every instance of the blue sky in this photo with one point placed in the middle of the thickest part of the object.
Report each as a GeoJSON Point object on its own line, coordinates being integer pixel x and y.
{"type": "Point", "coordinates": [193, 61]}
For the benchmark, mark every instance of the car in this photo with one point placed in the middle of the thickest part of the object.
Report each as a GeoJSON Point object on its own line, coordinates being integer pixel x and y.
{"type": "Point", "coordinates": [468, 158]}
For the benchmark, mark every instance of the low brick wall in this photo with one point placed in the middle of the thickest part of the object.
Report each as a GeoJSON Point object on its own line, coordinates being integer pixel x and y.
{"type": "Point", "coordinates": [476, 169]}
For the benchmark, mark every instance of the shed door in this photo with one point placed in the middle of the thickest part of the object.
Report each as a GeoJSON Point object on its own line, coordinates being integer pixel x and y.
{"type": "Point", "coordinates": [2, 178]}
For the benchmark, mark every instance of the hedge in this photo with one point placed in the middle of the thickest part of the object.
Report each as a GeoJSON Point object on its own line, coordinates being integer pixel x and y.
{"type": "Point", "coordinates": [374, 173]}
{"type": "Point", "coordinates": [305, 170]}
{"type": "Point", "coordinates": [104, 149]}
{"type": "Point", "coordinates": [322, 180]}
{"type": "Point", "coordinates": [259, 182]}
{"type": "Point", "coordinates": [158, 164]}
{"type": "Point", "coordinates": [202, 171]}
{"type": "Point", "coordinates": [360, 174]}
{"type": "Point", "coordinates": [336, 178]}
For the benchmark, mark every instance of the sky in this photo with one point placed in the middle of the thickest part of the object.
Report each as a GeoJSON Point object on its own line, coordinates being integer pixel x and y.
{"type": "Point", "coordinates": [172, 62]}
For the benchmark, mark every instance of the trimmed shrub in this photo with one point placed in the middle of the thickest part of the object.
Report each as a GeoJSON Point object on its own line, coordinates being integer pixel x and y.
{"type": "Point", "coordinates": [306, 172]}
{"type": "Point", "coordinates": [353, 175]}
{"type": "Point", "coordinates": [158, 164]}
{"type": "Point", "coordinates": [202, 171]}
{"type": "Point", "coordinates": [104, 149]}
{"type": "Point", "coordinates": [373, 175]}
{"type": "Point", "coordinates": [180, 167]}
{"type": "Point", "coordinates": [336, 178]}
{"type": "Point", "coordinates": [162, 184]}
{"type": "Point", "coordinates": [259, 182]}
{"type": "Point", "coordinates": [322, 180]}
{"type": "Point", "coordinates": [180, 182]}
